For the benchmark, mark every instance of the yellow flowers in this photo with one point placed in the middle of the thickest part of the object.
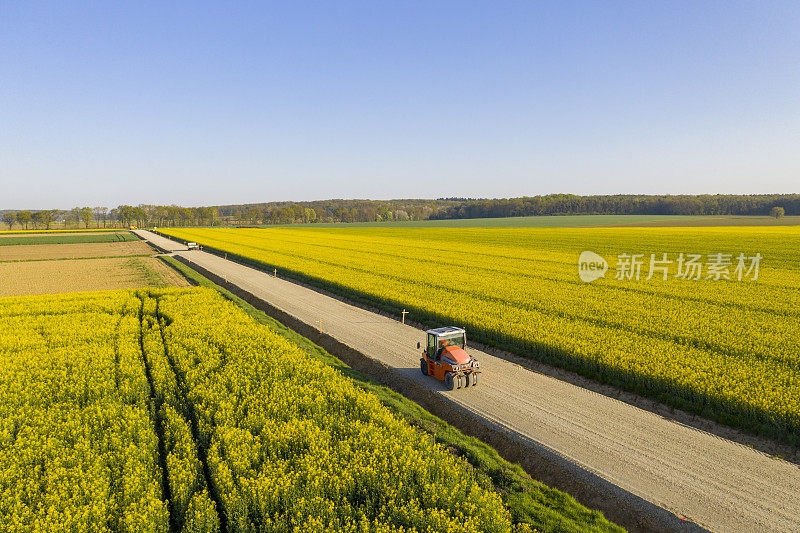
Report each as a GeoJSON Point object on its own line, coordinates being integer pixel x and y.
{"type": "Point", "coordinates": [149, 411]}
{"type": "Point", "coordinates": [727, 349]}
{"type": "Point", "coordinates": [292, 442]}
{"type": "Point", "coordinates": [77, 449]}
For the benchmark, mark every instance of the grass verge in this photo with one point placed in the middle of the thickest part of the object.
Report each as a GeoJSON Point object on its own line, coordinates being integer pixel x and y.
{"type": "Point", "coordinates": [150, 277]}
{"type": "Point", "coordinates": [531, 503]}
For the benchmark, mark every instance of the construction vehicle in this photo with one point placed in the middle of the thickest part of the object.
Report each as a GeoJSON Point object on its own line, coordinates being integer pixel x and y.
{"type": "Point", "coordinates": [445, 359]}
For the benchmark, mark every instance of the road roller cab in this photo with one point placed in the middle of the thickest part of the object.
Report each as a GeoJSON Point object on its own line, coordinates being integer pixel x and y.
{"type": "Point", "coordinates": [446, 359]}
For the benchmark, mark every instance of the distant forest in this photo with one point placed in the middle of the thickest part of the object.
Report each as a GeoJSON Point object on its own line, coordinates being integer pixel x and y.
{"type": "Point", "coordinates": [624, 204]}
{"type": "Point", "coordinates": [400, 210]}
{"type": "Point", "coordinates": [553, 204]}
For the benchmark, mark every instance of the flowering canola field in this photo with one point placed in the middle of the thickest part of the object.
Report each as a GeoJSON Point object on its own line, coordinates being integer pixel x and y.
{"type": "Point", "coordinates": [706, 319]}
{"type": "Point", "coordinates": [172, 410]}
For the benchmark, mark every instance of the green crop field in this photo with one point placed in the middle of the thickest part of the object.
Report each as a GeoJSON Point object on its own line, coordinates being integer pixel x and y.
{"type": "Point", "coordinates": [57, 231]}
{"type": "Point", "coordinates": [728, 349]}
{"type": "Point", "coordinates": [173, 410]}
{"type": "Point", "coordinates": [566, 221]}
{"type": "Point", "coordinates": [570, 221]}
{"type": "Point", "coordinates": [32, 238]}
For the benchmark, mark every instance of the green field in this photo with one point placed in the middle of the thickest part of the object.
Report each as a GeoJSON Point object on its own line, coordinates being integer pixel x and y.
{"type": "Point", "coordinates": [16, 239]}
{"type": "Point", "coordinates": [727, 349]}
{"type": "Point", "coordinates": [22, 231]}
{"type": "Point", "coordinates": [568, 221]}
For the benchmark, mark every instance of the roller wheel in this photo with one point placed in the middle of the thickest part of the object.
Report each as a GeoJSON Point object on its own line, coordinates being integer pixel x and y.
{"type": "Point", "coordinates": [468, 380]}
{"type": "Point", "coordinates": [459, 381]}
{"type": "Point", "coordinates": [449, 382]}
{"type": "Point", "coordinates": [474, 379]}
{"type": "Point", "coordinates": [423, 365]}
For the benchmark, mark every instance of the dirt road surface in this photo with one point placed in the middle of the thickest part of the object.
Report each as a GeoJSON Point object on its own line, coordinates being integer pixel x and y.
{"type": "Point", "coordinates": [713, 482]}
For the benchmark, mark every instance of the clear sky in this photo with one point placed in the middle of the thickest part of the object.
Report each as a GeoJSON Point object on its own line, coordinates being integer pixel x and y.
{"type": "Point", "coordinates": [197, 103]}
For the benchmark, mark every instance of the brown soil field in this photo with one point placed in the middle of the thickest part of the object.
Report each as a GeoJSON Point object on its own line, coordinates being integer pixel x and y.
{"type": "Point", "coordinates": [50, 277]}
{"type": "Point", "coordinates": [27, 252]}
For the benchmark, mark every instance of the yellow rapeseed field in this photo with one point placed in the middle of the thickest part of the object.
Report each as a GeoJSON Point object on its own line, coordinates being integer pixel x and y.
{"type": "Point", "coordinates": [714, 329]}
{"type": "Point", "coordinates": [172, 410]}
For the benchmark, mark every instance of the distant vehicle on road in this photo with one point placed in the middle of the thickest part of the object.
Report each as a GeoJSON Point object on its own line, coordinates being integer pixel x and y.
{"type": "Point", "coordinates": [445, 359]}
{"type": "Point", "coordinates": [192, 246]}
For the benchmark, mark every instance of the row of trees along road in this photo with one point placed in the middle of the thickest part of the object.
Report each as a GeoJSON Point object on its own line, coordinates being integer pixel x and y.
{"type": "Point", "coordinates": [102, 217]}
{"type": "Point", "coordinates": [48, 218]}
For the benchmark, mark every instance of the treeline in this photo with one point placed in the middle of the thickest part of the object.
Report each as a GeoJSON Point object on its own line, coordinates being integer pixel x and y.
{"type": "Point", "coordinates": [626, 204]}
{"type": "Point", "coordinates": [401, 210]}
{"type": "Point", "coordinates": [103, 217]}
{"type": "Point", "coordinates": [335, 211]}
{"type": "Point", "coordinates": [554, 204]}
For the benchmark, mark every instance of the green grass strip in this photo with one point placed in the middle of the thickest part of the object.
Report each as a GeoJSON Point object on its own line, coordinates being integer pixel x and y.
{"type": "Point", "coordinates": [67, 239]}
{"type": "Point", "coordinates": [71, 230]}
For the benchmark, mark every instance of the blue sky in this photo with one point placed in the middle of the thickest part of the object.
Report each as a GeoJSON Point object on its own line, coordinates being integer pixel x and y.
{"type": "Point", "coordinates": [198, 103]}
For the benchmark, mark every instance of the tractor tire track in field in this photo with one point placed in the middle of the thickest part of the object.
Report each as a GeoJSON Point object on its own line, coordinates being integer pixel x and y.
{"type": "Point", "coordinates": [642, 470]}
{"type": "Point", "coordinates": [156, 404]}
{"type": "Point", "coordinates": [176, 522]}
{"type": "Point", "coordinates": [191, 414]}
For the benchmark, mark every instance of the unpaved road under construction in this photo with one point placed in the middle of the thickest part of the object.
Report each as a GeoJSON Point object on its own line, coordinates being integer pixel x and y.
{"type": "Point", "coordinates": [644, 471]}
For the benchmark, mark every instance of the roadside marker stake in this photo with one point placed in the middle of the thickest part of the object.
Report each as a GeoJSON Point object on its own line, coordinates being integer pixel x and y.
{"type": "Point", "coordinates": [275, 272]}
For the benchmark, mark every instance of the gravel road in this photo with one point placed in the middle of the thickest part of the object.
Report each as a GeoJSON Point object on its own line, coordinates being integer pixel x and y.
{"type": "Point", "coordinates": [710, 481]}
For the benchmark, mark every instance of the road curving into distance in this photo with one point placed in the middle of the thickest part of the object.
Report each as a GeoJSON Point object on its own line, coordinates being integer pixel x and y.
{"type": "Point", "coordinates": [677, 477]}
